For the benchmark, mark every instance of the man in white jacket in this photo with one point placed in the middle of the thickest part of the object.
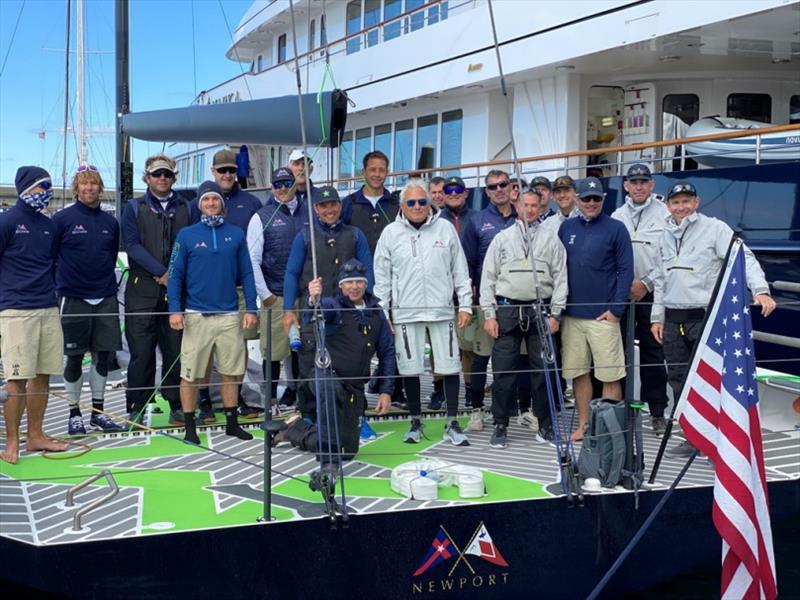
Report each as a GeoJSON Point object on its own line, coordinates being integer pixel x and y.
{"type": "Point", "coordinates": [419, 265]}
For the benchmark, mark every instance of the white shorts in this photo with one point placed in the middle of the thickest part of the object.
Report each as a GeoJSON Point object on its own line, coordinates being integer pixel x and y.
{"type": "Point", "coordinates": [409, 341]}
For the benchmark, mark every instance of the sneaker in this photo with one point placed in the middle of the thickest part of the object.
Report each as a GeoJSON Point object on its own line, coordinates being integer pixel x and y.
{"type": "Point", "coordinates": [545, 435]}
{"type": "Point", "coordinates": [288, 397]}
{"type": "Point", "coordinates": [247, 411]}
{"type": "Point", "coordinates": [105, 424]}
{"type": "Point", "coordinates": [659, 426]}
{"type": "Point", "coordinates": [437, 399]}
{"type": "Point", "coordinates": [529, 420]}
{"type": "Point", "coordinates": [176, 418]}
{"type": "Point", "coordinates": [682, 450]}
{"type": "Point", "coordinates": [207, 413]}
{"type": "Point", "coordinates": [75, 426]}
{"type": "Point", "coordinates": [367, 433]}
{"type": "Point", "coordinates": [499, 437]}
{"type": "Point", "coordinates": [414, 434]}
{"type": "Point", "coordinates": [475, 420]}
{"type": "Point", "coordinates": [455, 435]}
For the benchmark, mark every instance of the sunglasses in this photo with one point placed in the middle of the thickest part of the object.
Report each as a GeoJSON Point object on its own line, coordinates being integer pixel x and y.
{"type": "Point", "coordinates": [683, 189]}
{"type": "Point", "coordinates": [282, 185]}
{"type": "Point", "coordinates": [413, 203]}
{"type": "Point", "coordinates": [46, 184]}
{"type": "Point", "coordinates": [162, 173]}
{"type": "Point", "coordinates": [592, 199]}
{"type": "Point", "coordinates": [454, 190]}
{"type": "Point", "coordinates": [349, 269]}
{"type": "Point", "coordinates": [493, 186]}
{"type": "Point", "coordinates": [226, 170]}
{"type": "Point", "coordinates": [84, 168]}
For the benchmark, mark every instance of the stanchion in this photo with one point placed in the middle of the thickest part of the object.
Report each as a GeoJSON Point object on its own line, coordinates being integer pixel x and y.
{"type": "Point", "coordinates": [269, 427]}
{"type": "Point", "coordinates": [631, 406]}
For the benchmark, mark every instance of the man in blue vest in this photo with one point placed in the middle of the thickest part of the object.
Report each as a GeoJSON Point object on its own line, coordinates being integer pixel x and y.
{"type": "Point", "coordinates": [30, 333]}
{"type": "Point", "coordinates": [88, 242]}
{"type": "Point", "coordinates": [269, 239]}
{"type": "Point", "coordinates": [149, 227]}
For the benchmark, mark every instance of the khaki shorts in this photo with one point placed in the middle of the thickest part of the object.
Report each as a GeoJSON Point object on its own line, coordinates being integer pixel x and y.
{"type": "Point", "coordinates": [473, 338]}
{"type": "Point", "coordinates": [585, 342]}
{"type": "Point", "coordinates": [252, 333]}
{"type": "Point", "coordinates": [32, 342]}
{"type": "Point", "coordinates": [220, 335]}
{"type": "Point", "coordinates": [279, 341]}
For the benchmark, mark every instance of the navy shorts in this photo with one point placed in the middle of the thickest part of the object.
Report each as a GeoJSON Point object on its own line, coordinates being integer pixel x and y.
{"type": "Point", "coordinates": [90, 327]}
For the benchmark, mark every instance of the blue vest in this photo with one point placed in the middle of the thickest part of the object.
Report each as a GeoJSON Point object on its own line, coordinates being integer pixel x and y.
{"type": "Point", "coordinates": [279, 227]}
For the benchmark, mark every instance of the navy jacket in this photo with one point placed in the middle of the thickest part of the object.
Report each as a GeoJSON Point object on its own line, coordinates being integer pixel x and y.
{"type": "Point", "coordinates": [87, 241]}
{"type": "Point", "coordinates": [599, 265]}
{"type": "Point", "coordinates": [459, 219]}
{"type": "Point", "coordinates": [207, 264]}
{"type": "Point", "coordinates": [478, 234]}
{"type": "Point", "coordinates": [27, 258]}
{"type": "Point", "coordinates": [279, 227]}
{"type": "Point", "coordinates": [240, 206]}
{"type": "Point", "coordinates": [358, 211]}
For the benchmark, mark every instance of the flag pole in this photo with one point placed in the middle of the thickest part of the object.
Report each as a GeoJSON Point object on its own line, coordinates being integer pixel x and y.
{"type": "Point", "coordinates": [668, 431]}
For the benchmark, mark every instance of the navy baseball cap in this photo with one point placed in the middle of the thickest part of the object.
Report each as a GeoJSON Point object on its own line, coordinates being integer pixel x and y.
{"type": "Point", "coordinates": [282, 174]}
{"type": "Point", "coordinates": [639, 172]}
{"type": "Point", "coordinates": [590, 186]}
{"type": "Point", "coordinates": [454, 182]}
{"type": "Point", "coordinates": [682, 187]}
{"type": "Point", "coordinates": [542, 181]}
{"type": "Point", "coordinates": [325, 193]}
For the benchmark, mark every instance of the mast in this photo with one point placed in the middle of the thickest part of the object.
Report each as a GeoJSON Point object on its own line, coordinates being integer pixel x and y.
{"type": "Point", "coordinates": [80, 85]}
{"type": "Point", "coordinates": [124, 165]}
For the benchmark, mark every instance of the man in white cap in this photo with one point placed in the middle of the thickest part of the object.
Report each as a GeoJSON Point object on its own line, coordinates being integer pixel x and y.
{"type": "Point", "coordinates": [301, 169]}
{"type": "Point", "coordinates": [32, 342]}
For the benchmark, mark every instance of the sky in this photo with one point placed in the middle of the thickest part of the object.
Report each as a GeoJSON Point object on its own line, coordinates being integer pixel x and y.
{"type": "Point", "coordinates": [177, 48]}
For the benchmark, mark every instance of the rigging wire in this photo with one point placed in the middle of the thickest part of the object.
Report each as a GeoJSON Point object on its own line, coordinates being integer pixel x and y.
{"type": "Point", "coordinates": [13, 35]}
{"type": "Point", "coordinates": [66, 98]}
{"type": "Point", "coordinates": [235, 49]}
{"type": "Point", "coordinates": [194, 53]}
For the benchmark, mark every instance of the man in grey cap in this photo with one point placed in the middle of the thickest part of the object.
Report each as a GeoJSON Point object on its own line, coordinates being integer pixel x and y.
{"type": "Point", "coordinates": [544, 188]}
{"type": "Point", "coordinates": [645, 215]}
{"type": "Point", "coordinates": [302, 170]}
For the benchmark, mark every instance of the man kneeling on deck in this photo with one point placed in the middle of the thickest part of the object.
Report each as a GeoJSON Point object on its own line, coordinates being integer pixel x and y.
{"type": "Point", "coordinates": [355, 330]}
{"type": "Point", "coordinates": [208, 261]}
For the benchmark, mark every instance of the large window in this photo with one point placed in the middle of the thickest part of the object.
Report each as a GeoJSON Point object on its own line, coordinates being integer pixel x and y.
{"type": "Point", "coordinates": [259, 64]}
{"type": "Point", "coordinates": [403, 148]}
{"type": "Point", "coordinates": [426, 141]}
{"type": "Point", "coordinates": [383, 139]}
{"type": "Point", "coordinates": [312, 33]}
{"type": "Point", "coordinates": [363, 146]}
{"type": "Point", "coordinates": [794, 109]}
{"type": "Point", "coordinates": [437, 12]}
{"type": "Point", "coordinates": [372, 16]}
{"type": "Point", "coordinates": [199, 169]}
{"type": "Point", "coordinates": [754, 107]}
{"type": "Point", "coordinates": [353, 25]}
{"type": "Point", "coordinates": [678, 111]}
{"type": "Point", "coordinates": [452, 123]}
{"type": "Point", "coordinates": [392, 8]}
{"type": "Point", "coordinates": [282, 48]}
{"type": "Point", "coordinates": [323, 32]}
{"type": "Point", "coordinates": [346, 158]}
{"type": "Point", "coordinates": [417, 20]}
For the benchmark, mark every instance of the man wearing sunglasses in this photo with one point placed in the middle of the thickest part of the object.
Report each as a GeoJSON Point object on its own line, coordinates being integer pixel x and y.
{"type": "Point", "coordinates": [475, 238]}
{"type": "Point", "coordinates": [600, 273]}
{"type": "Point", "coordinates": [149, 227]}
{"type": "Point", "coordinates": [372, 207]}
{"type": "Point", "coordinates": [419, 267]}
{"type": "Point", "coordinates": [269, 239]}
{"type": "Point", "coordinates": [691, 251]}
{"type": "Point", "coordinates": [644, 215]}
{"type": "Point", "coordinates": [86, 280]}
{"type": "Point", "coordinates": [31, 341]}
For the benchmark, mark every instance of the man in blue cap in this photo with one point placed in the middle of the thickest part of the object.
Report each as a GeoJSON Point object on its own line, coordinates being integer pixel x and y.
{"type": "Point", "coordinates": [31, 341]}
{"type": "Point", "coordinates": [209, 261]}
{"type": "Point", "coordinates": [600, 273]}
{"type": "Point", "coordinates": [355, 330]}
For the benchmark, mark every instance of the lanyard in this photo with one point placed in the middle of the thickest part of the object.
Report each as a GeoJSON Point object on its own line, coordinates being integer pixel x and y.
{"type": "Point", "coordinates": [679, 241]}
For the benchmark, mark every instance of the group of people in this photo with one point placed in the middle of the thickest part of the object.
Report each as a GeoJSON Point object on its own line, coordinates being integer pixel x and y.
{"type": "Point", "coordinates": [387, 273]}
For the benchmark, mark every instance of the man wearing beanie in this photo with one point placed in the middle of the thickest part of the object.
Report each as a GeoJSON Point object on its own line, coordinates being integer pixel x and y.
{"type": "Point", "coordinates": [355, 330]}
{"type": "Point", "coordinates": [209, 261]}
{"type": "Point", "coordinates": [30, 333]}
{"type": "Point", "coordinates": [149, 227]}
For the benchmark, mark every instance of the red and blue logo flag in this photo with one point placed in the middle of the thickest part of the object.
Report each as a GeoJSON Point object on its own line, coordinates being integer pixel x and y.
{"type": "Point", "coordinates": [440, 551]}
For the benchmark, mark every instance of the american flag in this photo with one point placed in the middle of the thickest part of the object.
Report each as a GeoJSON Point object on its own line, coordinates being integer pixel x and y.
{"type": "Point", "coordinates": [720, 418]}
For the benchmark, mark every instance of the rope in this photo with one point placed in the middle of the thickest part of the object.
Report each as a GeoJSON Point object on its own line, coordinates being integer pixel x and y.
{"type": "Point", "coordinates": [13, 35]}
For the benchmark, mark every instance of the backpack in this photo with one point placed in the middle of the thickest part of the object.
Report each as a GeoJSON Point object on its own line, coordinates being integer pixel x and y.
{"type": "Point", "coordinates": [602, 454]}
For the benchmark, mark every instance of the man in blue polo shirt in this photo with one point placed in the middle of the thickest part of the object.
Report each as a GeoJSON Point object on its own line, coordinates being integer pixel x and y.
{"type": "Point", "coordinates": [600, 273]}
{"type": "Point", "coordinates": [30, 333]}
{"type": "Point", "coordinates": [87, 238]}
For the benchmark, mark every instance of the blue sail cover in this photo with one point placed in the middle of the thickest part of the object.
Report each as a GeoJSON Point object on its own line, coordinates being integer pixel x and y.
{"type": "Point", "coordinates": [265, 121]}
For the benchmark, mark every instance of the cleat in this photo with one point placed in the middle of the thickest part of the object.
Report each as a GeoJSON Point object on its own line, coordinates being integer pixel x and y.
{"type": "Point", "coordinates": [103, 423]}
{"type": "Point", "coordinates": [476, 419]}
{"type": "Point", "coordinates": [367, 433]}
{"type": "Point", "coordinates": [437, 398]}
{"type": "Point", "coordinates": [682, 450]}
{"type": "Point", "coordinates": [545, 435]}
{"type": "Point", "coordinates": [176, 418]}
{"type": "Point", "coordinates": [247, 411]}
{"type": "Point", "coordinates": [499, 437]}
{"type": "Point", "coordinates": [659, 426]}
{"type": "Point", "coordinates": [455, 435]}
{"type": "Point", "coordinates": [75, 426]}
{"type": "Point", "coordinates": [529, 420]}
{"type": "Point", "coordinates": [414, 434]}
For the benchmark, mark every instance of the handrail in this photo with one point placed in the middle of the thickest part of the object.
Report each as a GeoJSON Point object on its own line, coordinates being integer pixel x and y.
{"type": "Point", "coordinates": [81, 512]}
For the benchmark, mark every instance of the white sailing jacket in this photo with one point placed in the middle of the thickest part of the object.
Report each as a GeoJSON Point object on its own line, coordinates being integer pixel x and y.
{"type": "Point", "coordinates": [645, 223]}
{"type": "Point", "coordinates": [508, 268]}
{"type": "Point", "coordinates": [691, 256]}
{"type": "Point", "coordinates": [553, 222]}
{"type": "Point", "coordinates": [417, 271]}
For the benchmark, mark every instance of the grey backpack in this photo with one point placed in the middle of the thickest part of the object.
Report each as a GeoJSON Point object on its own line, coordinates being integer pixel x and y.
{"type": "Point", "coordinates": [602, 453]}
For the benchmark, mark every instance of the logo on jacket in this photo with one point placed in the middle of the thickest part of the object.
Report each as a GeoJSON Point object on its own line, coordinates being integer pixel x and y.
{"type": "Point", "coordinates": [228, 238]}
{"type": "Point", "coordinates": [572, 239]}
{"type": "Point", "coordinates": [487, 227]}
{"type": "Point", "coordinates": [21, 229]}
{"type": "Point", "coordinates": [78, 229]}
{"type": "Point", "coordinates": [439, 243]}
{"type": "Point", "coordinates": [278, 222]}
{"type": "Point", "coordinates": [200, 245]}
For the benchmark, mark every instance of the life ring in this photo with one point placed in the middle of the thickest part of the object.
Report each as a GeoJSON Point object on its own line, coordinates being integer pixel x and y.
{"type": "Point", "coordinates": [421, 479]}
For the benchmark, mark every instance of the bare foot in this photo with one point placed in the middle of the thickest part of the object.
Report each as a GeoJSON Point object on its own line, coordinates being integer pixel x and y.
{"type": "Point", "coordinates": [11, 453]}
{"type": "Point", "coordinates": [46, 443]}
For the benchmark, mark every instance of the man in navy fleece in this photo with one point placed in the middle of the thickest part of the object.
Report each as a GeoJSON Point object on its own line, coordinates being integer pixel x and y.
{"type": "Point", "coordinates": [209, 261]}
{"type": "Point", "coordinates": [88, 242]}
{"type": "Point", "coordinates": [600, 273]}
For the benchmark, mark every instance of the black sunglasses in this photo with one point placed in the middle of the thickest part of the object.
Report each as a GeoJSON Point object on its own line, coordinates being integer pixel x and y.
{"type": "Point", "coordinates": [413, 203]}
{"type": "Point", "coordinates": [162, 173]}
{"type": "Point", "coordinates": [592, 199]}
{"type": "Point", "coordinates": [226, 170]}
{"type": "Point", "coordinates": [493, 186]}
{"type": "Point", "coordinates": [454, 190]}
{"type": "Point", "coordinates": [349, 268]}
{"type": "Point", "coordinates": [282, 185]}
{"type": "Point", "coordinates": [684, 188]}
{"type": "Point", "coordinates": [46, 184]}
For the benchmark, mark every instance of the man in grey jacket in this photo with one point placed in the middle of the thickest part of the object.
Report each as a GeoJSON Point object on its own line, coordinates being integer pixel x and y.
{"type": "Point", "coordinates": [419, 265]}
{"type": "Point", "coordinates": [691, 252]}
{"type": "Point", "coordinates": [520, 259]}
{"type": "Point", "coordinates": [644, 215]}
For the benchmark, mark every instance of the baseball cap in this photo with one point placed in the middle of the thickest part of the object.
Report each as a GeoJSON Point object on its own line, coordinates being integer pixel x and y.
{"type": "Point", "coordinates": [158, 165]}
{"type": "Point", "coordinates": [282, 174]}
{"type": "Point", "coordinates": [565, 181]}
{"type": "Point", "coordinates": [640, 172]}
{"type": "Point", "coordinates": [590, 186]}
{"type": "Point", "coordinates": [454, 181]}
{"type": "Point", "coordinates": [325, 193]}
{"type": "Point", "coordinates": [682, 187]}
{"type": "Point", "coordinates": [542, 181]}
{"type": "Point", "coordinates": [297, 154]}
{"type": "Point", "coordinates": [224, 158]}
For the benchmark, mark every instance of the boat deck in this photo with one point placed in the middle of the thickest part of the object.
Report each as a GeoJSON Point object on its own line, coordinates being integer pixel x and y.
{"type": "Point", "coordinates": [168, 486]}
